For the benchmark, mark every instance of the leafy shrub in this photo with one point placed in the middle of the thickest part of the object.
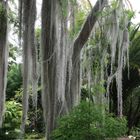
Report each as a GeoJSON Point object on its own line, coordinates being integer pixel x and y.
{"type": "Point", "coordinates": [14, 80]}
{"type": "Point", "coordinates": [135, 131]}
{"type": "Point", "coordinates": [12, 120]}
{"type": "Point", "coordinates": [35, 116]}
{"type": "Point", "coordinates": [34, 135]}
{"type": "Point", "coordinates": [87, 122]}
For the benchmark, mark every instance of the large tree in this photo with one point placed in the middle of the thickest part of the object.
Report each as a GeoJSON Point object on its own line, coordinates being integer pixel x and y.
{"type": "Point", "coordinates": [57, 56]}
{"type": "Point", "coordinates": [29, 54]}
{"type": "Point", "coordinates": [3, 55]}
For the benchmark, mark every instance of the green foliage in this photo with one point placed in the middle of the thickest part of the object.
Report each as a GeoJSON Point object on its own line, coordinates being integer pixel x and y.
{"type": "Point", "coordinates": [79, 20]}
{"type": "Point", "coordinates": [30, 136]}
{"type": "Point", "coordinates": [12, 120]}
{"type": "Point", "coordinates": [99, 88]}
{"type": "Point", "coordinates": [14, 54]}
{"type": "Point", "coordinates": [94, 91]}
{"type": "Point", "coordinates": [2, 10]}
{"type": "Point", "coordinates": [37, 33]}
{"type": "Point", "coordinates": [130, 14]}
{"type": "Point", "coordinates": [13, 17]}
{"type": "Point", "coordinates": [35, 122]}
{"type": "Point", "coordinates": [115, 127]}
{"type": "Point", "coordinates": [14, 80]}
{"type": "Point", "coordinates": [64, 6]}
{"type": "Point", "coordinates": [12, 114]}
{"type": "Point", "coordinates": [135, 46]}
{"type": "Point", "coordinates": [136, 131]}
{"type": "Point", "coordinates": [87, 122]}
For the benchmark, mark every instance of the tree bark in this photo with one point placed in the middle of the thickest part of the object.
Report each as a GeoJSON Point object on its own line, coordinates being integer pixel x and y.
{"type": "Point", "coordinates": [52, 53]}
{"type": "Point", "coordinates": [20, 12]}
{"type": "Point", "coordinates": [3, 56]}
{"type": "Point", "coordinates": [78, 45]}
{"type": "Point", "coordinates": [48, 54]}
{"type": "Point", "coordinates": [29, 14]}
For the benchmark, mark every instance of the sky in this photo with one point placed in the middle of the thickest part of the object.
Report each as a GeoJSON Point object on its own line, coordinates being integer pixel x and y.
{"type": "Point", "coordinates": [136, 8]}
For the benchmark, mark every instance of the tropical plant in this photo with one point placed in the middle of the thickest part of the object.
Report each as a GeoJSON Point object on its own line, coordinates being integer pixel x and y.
{"type": "Point", "coordinates": [12, 120]}
{"type": "Point", "coordinates": [135, 46]}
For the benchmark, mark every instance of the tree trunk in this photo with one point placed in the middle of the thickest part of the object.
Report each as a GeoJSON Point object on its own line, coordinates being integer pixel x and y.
{"type": "Point", "coordinates": [29, 14]}
{"type": "Point", "coordinates": [3, 56]}
{"type": "Point", "coordinates": [78, 45]}
{"type": "Point", "coordinates": [55, 61]}
{"type": "Point", "coordinates": [48, 53]}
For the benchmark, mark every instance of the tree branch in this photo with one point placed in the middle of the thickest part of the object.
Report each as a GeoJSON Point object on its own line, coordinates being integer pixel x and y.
{"type": "Point", "coordinates": [87, 27]}
{"type": "Point", "coordinates": [90, 4]}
